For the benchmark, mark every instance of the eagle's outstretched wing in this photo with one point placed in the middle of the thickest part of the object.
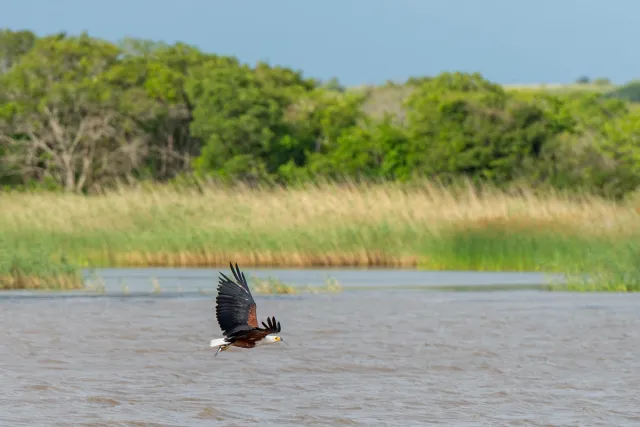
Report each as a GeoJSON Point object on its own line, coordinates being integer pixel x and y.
{"type": "Point", "coordinates": [271, 327]}
{"type": "Point", "coordinates": [235, 307]}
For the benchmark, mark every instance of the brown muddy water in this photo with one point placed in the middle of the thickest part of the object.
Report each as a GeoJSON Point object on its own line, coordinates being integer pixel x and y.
{"type": "Point", "coordinates": [377, 357]}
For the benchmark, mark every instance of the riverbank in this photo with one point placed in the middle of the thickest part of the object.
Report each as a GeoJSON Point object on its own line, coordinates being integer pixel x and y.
{"type": "Point", "coordinates": [47, 237]}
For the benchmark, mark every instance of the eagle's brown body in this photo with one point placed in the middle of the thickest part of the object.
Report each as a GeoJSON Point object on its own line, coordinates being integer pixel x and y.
{"type": "Point", "coordinates": [236, 314]}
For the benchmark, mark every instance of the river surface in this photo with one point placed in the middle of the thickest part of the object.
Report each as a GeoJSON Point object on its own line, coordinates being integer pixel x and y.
{"type": "Point", "coordinates": [189, 281]}
{"type": "Point", "coordinates": [380, 356]}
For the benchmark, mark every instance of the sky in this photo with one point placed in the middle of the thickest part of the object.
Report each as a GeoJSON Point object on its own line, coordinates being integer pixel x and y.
{"type": "Point", "coordinates": [371, 41]}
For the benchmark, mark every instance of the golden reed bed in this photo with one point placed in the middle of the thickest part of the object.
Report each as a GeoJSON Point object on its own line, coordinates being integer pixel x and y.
{"type": "Point", "coordinates": [427, 206]}
{"type": "Point", "coordinates": [328, 225]}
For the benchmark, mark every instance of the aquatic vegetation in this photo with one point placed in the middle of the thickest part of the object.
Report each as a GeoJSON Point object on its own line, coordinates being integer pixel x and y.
{"type": "Point", "coordinates": [418, 225]}
{"type": "Point", "coordinates": [331, 286]}
{"type": "Point", "coordinates": [156, 288]}
{"type": "Point", "coordinates": [270, 286]}
{"type": "Point", "coordinates": [273, 286]}
{"type": "Point", "coordinates": [36, 270]}
{"type": "Point", "coordinates": [613, 270]}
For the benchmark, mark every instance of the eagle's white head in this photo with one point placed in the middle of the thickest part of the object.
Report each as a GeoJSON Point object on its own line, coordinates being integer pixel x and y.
{"type": "Point", "coordinates": [270, 339]}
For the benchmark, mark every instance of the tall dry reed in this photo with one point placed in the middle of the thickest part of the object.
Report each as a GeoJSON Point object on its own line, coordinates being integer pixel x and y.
{"type": "Point", "coordinates": [315, 225]}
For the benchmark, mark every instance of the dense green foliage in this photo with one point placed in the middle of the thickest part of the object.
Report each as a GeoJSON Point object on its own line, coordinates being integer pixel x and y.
{"type": "Point", "coordinates": [80, 114]}
{"type": "Point", "coordinates": [629, 92]}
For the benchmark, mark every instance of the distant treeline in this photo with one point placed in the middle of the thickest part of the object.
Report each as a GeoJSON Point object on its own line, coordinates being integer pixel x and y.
{"type": "Point", "coordinates": [82, 114]}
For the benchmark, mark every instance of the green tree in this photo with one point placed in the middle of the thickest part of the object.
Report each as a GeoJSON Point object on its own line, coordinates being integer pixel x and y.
{"type": "Point", "coordinates": [13, 45]}
{"type": "Point", "coordinates": [462, 125]}
{"type": "Point", "coordinates": [241, 116]}
{"type": "Point", "coordinates": [320, 122]}
{"type": "Point", "coordinates": [374, 151]}
{"type": "Point", "coordinates": [60, 120]}
{"type": "Point", "coordinates": [151, 78]}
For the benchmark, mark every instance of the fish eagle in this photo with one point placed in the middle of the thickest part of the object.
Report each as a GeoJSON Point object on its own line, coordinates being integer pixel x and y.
{"type": "Point", "coordinates": [236, 314]}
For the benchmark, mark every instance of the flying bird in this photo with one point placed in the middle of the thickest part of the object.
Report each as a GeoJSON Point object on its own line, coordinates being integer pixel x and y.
{"type": "Point", "coordinates": [236, 314]}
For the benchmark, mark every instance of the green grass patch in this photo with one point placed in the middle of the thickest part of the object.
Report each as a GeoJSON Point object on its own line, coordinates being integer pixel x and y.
{"type": "Point", "coordinates": [590, 263]}
{"type": "Point", "coordinates": [611, 263]}
{"type": "Point", "coordinates": [36, 269]}
{"type": "Point", "coordinates": [612, 269]}
{"type": "Point", "coordinates": [504, 248]}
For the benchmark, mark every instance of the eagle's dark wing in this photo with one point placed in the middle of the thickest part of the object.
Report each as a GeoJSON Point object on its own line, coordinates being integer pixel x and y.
{"type": "Point", "coordinates": [256, 334]}
{"type": "Point", "coordinates": [272, 326]}
{"type": "Point", "coordinates": [235, 307]}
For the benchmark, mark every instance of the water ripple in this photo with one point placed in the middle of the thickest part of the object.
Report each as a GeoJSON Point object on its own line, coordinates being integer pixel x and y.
{"type": "Point", "coordinates": [405, 358]}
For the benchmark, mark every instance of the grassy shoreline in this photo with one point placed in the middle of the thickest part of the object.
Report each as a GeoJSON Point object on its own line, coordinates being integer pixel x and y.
{"type": "Point", "coordinates": [47, 237]}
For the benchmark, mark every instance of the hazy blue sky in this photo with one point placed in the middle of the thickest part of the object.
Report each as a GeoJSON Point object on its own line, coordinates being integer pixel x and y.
{"type": "Point", "coordinates": [370, 41]}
